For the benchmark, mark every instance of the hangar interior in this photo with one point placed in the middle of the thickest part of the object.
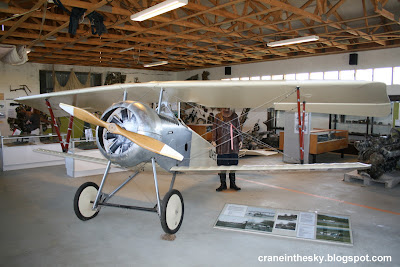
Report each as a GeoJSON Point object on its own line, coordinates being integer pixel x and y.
{"type": "Point", "coordinates": [203, 40]}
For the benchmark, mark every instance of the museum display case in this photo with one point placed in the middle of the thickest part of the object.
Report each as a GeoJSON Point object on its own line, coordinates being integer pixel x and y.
{"type": "Point", "coordinates": [326, 140]}
{"type": "Point", "coordinates": [17, 152]}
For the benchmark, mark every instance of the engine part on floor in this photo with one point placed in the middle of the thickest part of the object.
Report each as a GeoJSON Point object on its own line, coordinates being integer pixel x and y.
{"type": "Point", "coordinates": [382, 152]}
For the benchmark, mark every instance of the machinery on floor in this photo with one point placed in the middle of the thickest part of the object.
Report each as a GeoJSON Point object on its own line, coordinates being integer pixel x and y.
{"type": "Point", "coordinates": [382, 152]}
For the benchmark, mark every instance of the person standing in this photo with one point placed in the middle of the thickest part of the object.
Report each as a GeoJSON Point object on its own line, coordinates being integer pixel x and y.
{"type": "Point", "coordinates": [228, 140]}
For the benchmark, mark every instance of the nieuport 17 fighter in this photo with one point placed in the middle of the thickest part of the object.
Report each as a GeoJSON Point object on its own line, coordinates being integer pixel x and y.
{"type": "Point", "coordinates": [130, 133]}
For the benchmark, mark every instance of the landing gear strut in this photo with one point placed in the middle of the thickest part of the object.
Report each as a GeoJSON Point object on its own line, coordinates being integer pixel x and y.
{"type": "Point", "coordinates": [89, 198]}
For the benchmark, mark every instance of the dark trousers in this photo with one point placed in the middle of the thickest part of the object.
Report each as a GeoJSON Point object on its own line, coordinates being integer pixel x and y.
{"type": "Point", "coordinates": [227, 160]}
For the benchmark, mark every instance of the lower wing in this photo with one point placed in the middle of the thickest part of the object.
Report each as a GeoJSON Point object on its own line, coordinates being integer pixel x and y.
{"type": "Point", "coordinates": [237, 168]}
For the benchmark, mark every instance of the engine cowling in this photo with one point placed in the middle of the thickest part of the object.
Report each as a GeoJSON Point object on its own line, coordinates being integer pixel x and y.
{"type": "Point", "coordinates": [132, 116]}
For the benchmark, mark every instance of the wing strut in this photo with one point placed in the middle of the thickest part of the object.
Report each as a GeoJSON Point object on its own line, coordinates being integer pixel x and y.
{"type": "Point", "coordinates": [64, 147]}
{"type": "Point", "coordinates": [301, 126]}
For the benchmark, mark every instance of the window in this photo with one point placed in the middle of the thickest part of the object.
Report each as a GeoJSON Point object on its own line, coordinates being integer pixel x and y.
{"type": "Point", "coordinates": [266, 78]}
{"type": "Point", "coordinates": [277, 77]}
{"type": "Point", "coordinates": [396, 75]}
{"type": "Point", "coordinates": [235, 79]}
{"type": "Point", "coordinates": [364, 75]}
{"type": "Point", "coordinates": [331, 75]}
{"type": "Point", "coordinates": [383, 75]}
{"type": "Point", "coordinates": [47, 83]}
{"type": "Point", "coordinates": [255, 78]}
{"type": "Point", "coordinates": [302, 76]}
{"type": "Point", "coordinates": [245, 78]}
{"type": "Point", "coordinates": [290, 77]}
{"type": "Point", "coordinates": [347, 75]}
{"type": "Point", "coordinates": [316, 75]}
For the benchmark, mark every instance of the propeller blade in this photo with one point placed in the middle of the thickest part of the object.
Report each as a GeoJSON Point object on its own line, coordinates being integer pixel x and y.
{"type": "Point", "coordinates": [83, 115]}
{"type": "Point", "coordinates": [141, 140]}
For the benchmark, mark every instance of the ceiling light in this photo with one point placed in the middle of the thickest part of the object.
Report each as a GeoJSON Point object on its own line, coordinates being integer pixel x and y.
{"type": "Point", "coordinates": [153, 64]}
{"type": "Point", "coordinates": [126, 49]}
{"type": "Point", "coordinates": [158, 9]}
{"type": "Point", "coordinates": [294, 41]}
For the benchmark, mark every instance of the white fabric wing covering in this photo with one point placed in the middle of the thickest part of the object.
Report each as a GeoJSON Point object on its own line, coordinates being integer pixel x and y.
{"type": "Point", "coordinates": [333, 97]}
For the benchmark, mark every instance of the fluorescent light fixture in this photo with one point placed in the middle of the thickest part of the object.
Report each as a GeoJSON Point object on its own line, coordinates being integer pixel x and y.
{"type": "Point", "coordinates": [158, 9]}
{"type": "Point", "coordinates": [126, 49]}
{"type": "Point", "coordinates": [153, 64]}
{"type": "Point", "coordinates": [294, 41]}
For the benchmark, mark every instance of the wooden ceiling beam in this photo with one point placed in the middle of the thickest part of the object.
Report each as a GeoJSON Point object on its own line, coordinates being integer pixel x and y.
{"type": "Point", "coordinates": [22, 19]}
{"type": "Point", "coordinates": [385, 13]}
{"type": "Point", "coordinates": [312, 16]}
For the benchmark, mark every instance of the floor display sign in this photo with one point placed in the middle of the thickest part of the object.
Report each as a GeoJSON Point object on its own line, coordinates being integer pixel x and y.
{"type": "Point", "coordinates": [287, 223]}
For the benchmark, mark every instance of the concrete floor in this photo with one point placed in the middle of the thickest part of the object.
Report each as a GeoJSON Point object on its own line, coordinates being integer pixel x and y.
{"type": "Point", "coordinates": [38, 226]}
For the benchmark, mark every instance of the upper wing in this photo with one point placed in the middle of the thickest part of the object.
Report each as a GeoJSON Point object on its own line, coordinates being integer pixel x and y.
{"type": "Point", "coordinates": [335, 97]}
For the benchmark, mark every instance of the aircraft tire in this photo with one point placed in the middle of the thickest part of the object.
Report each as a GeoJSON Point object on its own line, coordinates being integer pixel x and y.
{"type": "Point", "coordinates": [86, 193]}
{"type": "Point", "coordinates": [172, 210]}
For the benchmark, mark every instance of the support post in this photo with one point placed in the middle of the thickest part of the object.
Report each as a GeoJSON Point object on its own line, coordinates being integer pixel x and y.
{"type": "Point", "coordinates": [99, 192]}
{"type": "Point", "coordinates": [160, 100]}
{"type": "Point", "coordinates": [53, 119]}
{"type": "Point", "coordinates": [303, 130]}
{"type": "Point", "coordinates": [171, 186]}
{"type": "Point", "coordinates": [125, 95]}
{"type": "Point", "coordinates": [179, 110]}
{"type": "Point", "coordinates": [153, 162]}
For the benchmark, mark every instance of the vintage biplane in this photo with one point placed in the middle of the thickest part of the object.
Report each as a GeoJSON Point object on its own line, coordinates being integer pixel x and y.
{"type": "Point", "coordinates": [131, 133]}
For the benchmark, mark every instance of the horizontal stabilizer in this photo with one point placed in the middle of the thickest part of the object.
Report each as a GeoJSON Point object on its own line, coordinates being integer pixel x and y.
{"type": "Point", "coordinates": [282, 167]}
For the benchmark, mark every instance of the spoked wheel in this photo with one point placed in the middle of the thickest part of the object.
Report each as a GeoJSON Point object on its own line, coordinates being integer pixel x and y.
{"type": "Point", "coordinates": [84, 199]}
{"type": "Point", "coordinates": [172, 210]}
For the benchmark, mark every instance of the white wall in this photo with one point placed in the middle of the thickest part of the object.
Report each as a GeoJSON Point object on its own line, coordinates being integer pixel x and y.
{"type": "Point", "coordinates": [28, 74]}
{"type": "Point", "coordinates": [368, 59]}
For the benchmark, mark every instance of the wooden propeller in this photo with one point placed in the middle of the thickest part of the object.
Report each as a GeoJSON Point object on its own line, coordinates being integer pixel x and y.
{"type": "Point", "coordinates": [144, 141]}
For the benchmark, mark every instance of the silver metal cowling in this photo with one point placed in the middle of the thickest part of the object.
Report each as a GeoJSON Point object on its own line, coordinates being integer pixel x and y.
{"type": "Point", "coordinates": [137, 117]}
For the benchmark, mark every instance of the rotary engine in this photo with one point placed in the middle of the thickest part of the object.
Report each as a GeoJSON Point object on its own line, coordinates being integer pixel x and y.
{"type": "Point", "coordinates": [132, 116]}
{"type": "Point", "coordinates": [140, 118]}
